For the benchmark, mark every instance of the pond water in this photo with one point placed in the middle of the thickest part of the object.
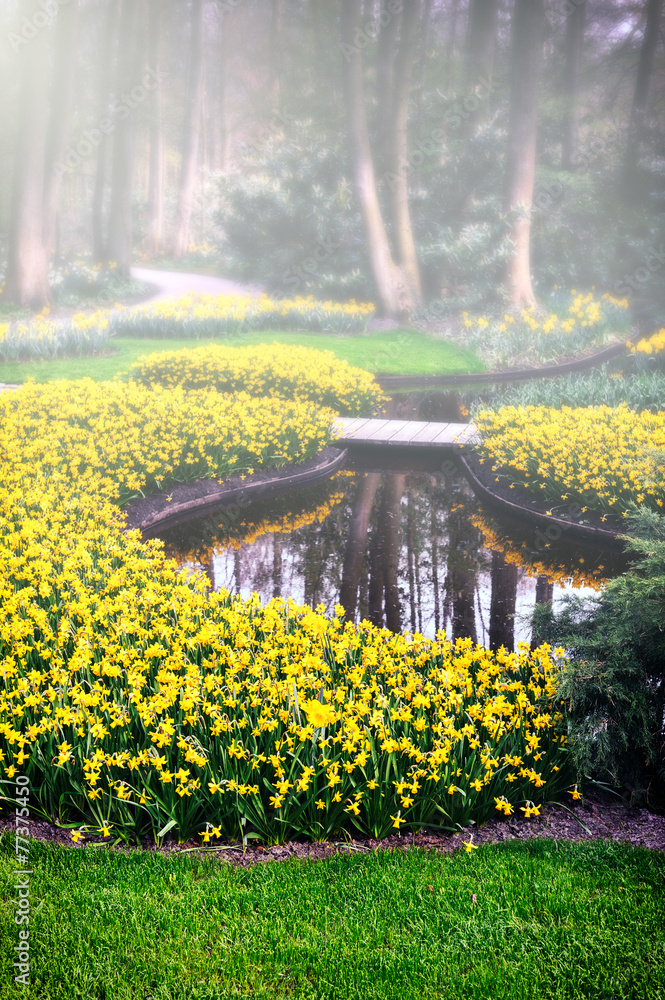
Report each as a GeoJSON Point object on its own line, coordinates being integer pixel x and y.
{"type": "Point", "coordinates": [399, 540]}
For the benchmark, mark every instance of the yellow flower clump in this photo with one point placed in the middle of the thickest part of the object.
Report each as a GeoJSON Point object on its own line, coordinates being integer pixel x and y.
{"type": "Point", "coordinates": [604, 457]}
{"type": "Point", "coordinates": [650, 345]}
{"type": "Point", "coordinates": [267, 369]}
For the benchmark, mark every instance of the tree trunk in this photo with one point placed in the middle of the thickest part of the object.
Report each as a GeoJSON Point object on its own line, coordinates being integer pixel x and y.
{"type": "Point", "coordinates": [156, 166]}
{"type": "Point", "coordinates": [391, 288]}
{"type": "Point", "coordinates": [192, 129]}
{"type": "Point", "coordinates": [386, 55]}
{"type": "Point", "coordinates": [354, 553]}
{"type": "Point", "coordinates": [526, 67]}
{"type": "Point", "coordinates": [391, 523]}
{"type": "Point", "coordinates": [571, 84]}
{"type": "Point", "coordinates": [451, 43]}
{"type": "Point", "coordinates": [654, 11]}
{"type": "Point", "coordinates": [108, 54]}
{"type": "Point", "coordinates": [544, 590]}
{"type": "Point", "coordinates": [119, 246]}
{"type": "Point", "coordinates": [64, 77]}
{"type": "Point", "coordinates": [434, 531]}
{"type": "Point", "coordinates": [411, 560]}
{"type": "Point", "coordinates": [223, 131]}
{"type": "Point", "coordinates": [276, 36]}
{"type": "Point", "coordinates": [27, 281]}
{"type": "Point", "coordinates": [544, 595]}
{"type": "Point", "coordinates": [480, 43]}
{"type": "Point", "coordinates": [503, 603]}
{"type": "Point", "coordinates": [375, 595]}
{"type": "Point", "coordinates": [277, 566]}
{"type": "Point", "coordinates": [405, 245]}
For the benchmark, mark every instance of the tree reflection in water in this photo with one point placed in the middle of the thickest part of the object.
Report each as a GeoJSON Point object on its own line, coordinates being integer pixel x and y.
{"type": "Point", "coordinates": [409, 550]}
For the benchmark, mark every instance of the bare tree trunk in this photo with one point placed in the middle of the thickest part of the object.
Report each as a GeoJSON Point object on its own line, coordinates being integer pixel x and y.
{"type": "Point", "coordinates": [526, 67]}
{"type": "Point", "coordinates": [27, 260]}
{"type": "Point", "coordinates": [391, 522]}
{"type": "Point", "coordinates": [451, 40]}
{"type": "Point", "coordinates": [481, 40]}
{"type": "Point", "coordinates": [391, 288]}
{"type": "Point", "coordinates": [64, 76]}
{"type": "Point", "coordinates": [237, 570]}
{"type": "Point", "coordinates": [386, 55]}
{"type": "Point", "coordinates": [544, 595]}
{"type": "Point", "coordinates": [405, 245]}
{"type": "Point", "coordinates": [276, 38]}
{"type": "Point", "coordinates": [571, 84]}
{"type": "Point", "coordinates": [503, 603]}
{"type": "Point", "coordinates": [434, 530]}
{"type": "Point", "coordinates": [277, 566]}
{"type": "Point", "coordinates": [109, 40]}
{"type": "Point", "coordinates": [544, 590]}
{"type": "Point", "coordinates": [156, 167]}
{"type": "Point", "coordinates": [119, 246]}
{"type": "Point", "coordinates": [375, 595]}
{"type": "Point", "coordinates": [223, 130]}
{"type": "Point", "coordinates": [654, 12]}
{"type": "Point", "coordinates": [411, 560]}
{"type": "Point", "coordinates": [192, 130]}
{"type": "Point", "coordinates": [354, 553]}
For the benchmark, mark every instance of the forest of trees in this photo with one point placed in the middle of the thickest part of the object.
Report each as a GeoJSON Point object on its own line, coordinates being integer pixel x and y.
{"type": "Point", "coordinates": [429, 154]}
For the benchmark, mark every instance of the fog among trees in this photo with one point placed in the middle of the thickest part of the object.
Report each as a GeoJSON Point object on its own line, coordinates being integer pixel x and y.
{"type": "Point", "coordinates": [428, 155]}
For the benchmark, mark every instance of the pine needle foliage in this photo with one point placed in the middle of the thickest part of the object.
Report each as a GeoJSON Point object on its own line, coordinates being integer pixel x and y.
{"type": "Point", "coordinates": [614, 681]}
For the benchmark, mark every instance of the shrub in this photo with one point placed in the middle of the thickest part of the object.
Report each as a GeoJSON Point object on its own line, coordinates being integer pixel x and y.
{"type": "Point", "coordinates": [614, 680]}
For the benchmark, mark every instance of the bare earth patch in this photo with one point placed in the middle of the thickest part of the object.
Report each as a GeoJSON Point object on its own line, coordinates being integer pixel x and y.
{"type": "Point", "coordinates": [597, 817]}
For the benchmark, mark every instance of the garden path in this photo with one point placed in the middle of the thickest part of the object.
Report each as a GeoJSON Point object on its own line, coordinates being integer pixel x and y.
{"type": "Point", "coordinates": [172, 284]}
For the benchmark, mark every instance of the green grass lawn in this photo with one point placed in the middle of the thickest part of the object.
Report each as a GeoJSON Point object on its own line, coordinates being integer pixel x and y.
{"type": "Point", "coordinates": [398, 352]}
{"type": "Point", "coordinates": [549, 920]}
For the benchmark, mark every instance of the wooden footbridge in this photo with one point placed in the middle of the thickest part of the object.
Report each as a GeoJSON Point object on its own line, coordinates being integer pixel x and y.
{"type": "Point", "coordinates": [405, 433]}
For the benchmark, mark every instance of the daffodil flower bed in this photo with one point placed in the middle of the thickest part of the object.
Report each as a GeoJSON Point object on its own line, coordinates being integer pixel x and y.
{"type": "Point", "coordinates": [195, 316]}
{"type": "Point", "coordinates": [573, 324]}
{"type": "Point", "coordinates": [267, 369]}
{"type": "Point", "coordinates": [602, 457]}
{"type": "Point", "coordinates": [652, 347]}
{"type": "Point", "coordinates": [127, 439]}
{"type": "Point", "coordinates": [138, 703]}
{"type": "Point", "coordinates": [199, 316]}
{"type": "Point", "coordinates": [41, 337]}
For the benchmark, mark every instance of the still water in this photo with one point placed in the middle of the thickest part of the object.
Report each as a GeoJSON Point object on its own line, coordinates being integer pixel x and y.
{"type": "Point", "coordinates": [402, 542]}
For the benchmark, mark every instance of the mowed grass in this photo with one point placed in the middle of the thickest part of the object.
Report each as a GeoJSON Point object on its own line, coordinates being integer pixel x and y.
{"type": "Point", "coordinates": [398, 352]}
{"type": "Point", "coordinates": [541, 920]}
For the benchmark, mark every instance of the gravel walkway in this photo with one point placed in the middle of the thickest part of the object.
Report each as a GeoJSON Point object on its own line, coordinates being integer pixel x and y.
{"type": "Point", "coordinates": [172, 284]}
